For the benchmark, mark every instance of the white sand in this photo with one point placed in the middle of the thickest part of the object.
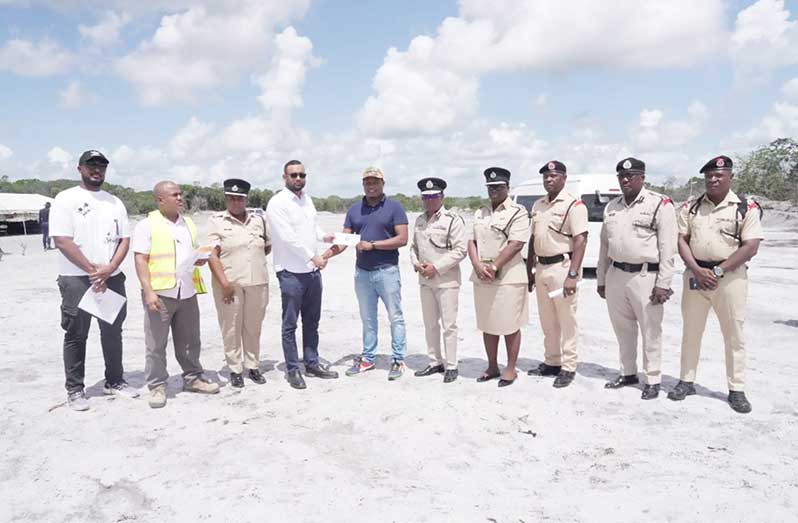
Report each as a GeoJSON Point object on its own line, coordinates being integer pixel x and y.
{"type": "Point", "coordinates": [364, 449]}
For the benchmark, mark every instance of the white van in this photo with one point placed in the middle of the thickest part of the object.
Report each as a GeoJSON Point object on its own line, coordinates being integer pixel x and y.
{"type": "Point", "coordinates": [594, 189]}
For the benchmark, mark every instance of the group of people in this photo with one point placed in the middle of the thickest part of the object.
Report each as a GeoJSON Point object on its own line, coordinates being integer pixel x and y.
{"type": "Point", "coordinates": [715, 235]}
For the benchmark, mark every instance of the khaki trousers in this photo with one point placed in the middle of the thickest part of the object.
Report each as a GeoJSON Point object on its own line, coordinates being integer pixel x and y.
{"type": "Point", "coordinates": [439, 308]}
{"type": "Point", "coordinates": [241, 323]}
{"type": "Point", "coordinates": [628, 300]}
{"type": "Point", "coordinates": [728, 302]}
{"type": "Point", "coordinates": [557, 316]}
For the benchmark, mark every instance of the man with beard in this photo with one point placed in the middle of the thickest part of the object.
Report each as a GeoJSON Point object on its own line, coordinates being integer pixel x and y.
{"type": "Point", "coordinates": [554, 261]}
{"type": "Point", "coordinates": [719, 232]}
{"type": "Point", "coordinates": [295, 234]}
{"type": "Point", "coordinates": [90, 230]}
{"type": "Point", "coordinates": [635, 268]}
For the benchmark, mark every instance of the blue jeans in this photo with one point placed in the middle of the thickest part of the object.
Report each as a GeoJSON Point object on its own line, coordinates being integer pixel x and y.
{"type": "Point", "coordinates": [381, 284]}
{"type": "Point", "coordinates": [301, 294]}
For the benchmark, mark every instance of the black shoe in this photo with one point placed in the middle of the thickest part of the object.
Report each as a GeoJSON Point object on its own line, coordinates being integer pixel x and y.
{"type": "Point", "coordinates": [681, 391]}
{"type": "Point", "coordinates": [295, 379]}
{"type": "Point", "coordinates": [622, 381]}
{"type": "Point", "coordinates": [545, 369]}
{"type": "Point", "coordinates": [563, 379]}
{"type": "Point", "coordinates": [450, 375]}
{"type": "Point", "coordinates": [506, 383]}
{"type": "Point", "coordinates": [320, 372]}
{"type": "Point", "coordinates": [429, 370]}
{"type": "Point", "coordinates": [256, 376]}
{"type": "Point", "coordinates": [738, 402]}
{"type": "Point", "coordinates": [650, 392]}
{"type": "Point", "coordinates": [236, 380]}
{"type": "Point", "coordinates": [487, 377]}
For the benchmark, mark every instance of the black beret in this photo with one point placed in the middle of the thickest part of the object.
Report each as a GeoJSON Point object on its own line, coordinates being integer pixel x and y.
{"type": "Point", "coordinates": [496, 175]}
{"type": "Point", "coordinates": [431, 185]}
{"type": "Point", "coordinates": [718, 162]}
{"type": "Point", "coordinates": [553, 166]}
{"type": "Point", "coordinates": [631, 165]}
{"type": "Point", "coordinates": [236, 187]}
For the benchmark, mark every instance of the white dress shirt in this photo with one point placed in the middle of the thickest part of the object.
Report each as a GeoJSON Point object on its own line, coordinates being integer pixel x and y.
{"type": "Point", "coordinates": [292, 219]}
{"type": "Point", "coordinates": [142, 243]}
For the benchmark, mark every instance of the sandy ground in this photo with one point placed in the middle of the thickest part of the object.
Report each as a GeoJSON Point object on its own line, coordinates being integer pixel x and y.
{"type": "Point", "coordinates": [364, 449]}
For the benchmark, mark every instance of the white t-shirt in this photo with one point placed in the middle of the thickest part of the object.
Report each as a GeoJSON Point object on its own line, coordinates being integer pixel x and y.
{"type": "Point", "coordinates": [95, 220]}
{"type": "Point", "coordinates": [142, 243]}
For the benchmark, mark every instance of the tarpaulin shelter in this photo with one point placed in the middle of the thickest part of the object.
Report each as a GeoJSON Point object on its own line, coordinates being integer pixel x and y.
{"type": "Point", "coordinates": [18, 207]}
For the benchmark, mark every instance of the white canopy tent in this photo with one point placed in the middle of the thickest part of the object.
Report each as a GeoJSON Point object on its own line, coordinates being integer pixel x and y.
{"type": "Point", "coordinates": [23, 208]}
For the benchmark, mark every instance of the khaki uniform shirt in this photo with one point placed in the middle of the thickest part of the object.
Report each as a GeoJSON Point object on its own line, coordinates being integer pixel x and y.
{"type": "Point", "coordinates": [440, 241]}
{"type": "Point", "coordinates": [242, 247]}
{"type": "Point", "coordinates": [711, 228]}
{"type": "Point", "coordinates": [492, 230]}
{"type": "Point", "coordinates": [641, 232]}
{"type": "Point", "coordinates": [553, 232]}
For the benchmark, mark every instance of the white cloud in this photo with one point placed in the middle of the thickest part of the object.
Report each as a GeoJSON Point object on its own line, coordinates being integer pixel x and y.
{"type": "Point", "coordinates": [203, 48]}
{"type": "Point", "coordinates": [106, 32]}
{"type": "Point", "coordinates": [781, 121]}
{"type": "Point", "coordinates": [282, 83]}
{"type": "Point", "coordinates": [764, 39]}
{"type": "Point", "coordinates": [25, 58]}
{"type": "Point", "coordinates": [74, 95]}
{"type": "Point", "coordinates": [655, 133]}
{"type": "Point", "coordinates": [542, 102]}
{"type": "Point", "coordinates": [59, 155]}
{"type": "Point", "coordinates": [433, 85]}
{"type": "Point", "coordinates": [188, 140]}
{"type": "Point", "coordinates": [5, 152]}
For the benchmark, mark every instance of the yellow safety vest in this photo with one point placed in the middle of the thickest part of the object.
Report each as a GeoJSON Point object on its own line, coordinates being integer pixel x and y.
{"type": "Point", "coordinates": [163, 260]}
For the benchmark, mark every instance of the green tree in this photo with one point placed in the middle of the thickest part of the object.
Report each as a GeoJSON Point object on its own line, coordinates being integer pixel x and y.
{"type": "Point", "coordinates": [770, 171]}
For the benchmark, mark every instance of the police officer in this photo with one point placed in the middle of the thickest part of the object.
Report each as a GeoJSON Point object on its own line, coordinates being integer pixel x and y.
{"type": "Point", "coordinates": [501, 299]}
{"type": "Point", "coordinates": [437, 247]}
{"type": "Point", "coordinates": [634, 272]}
{"type": "Point", "coordinates": [718, 234]}
{"type": "Point", "coordinates": [554, 261]}
{"type": "Point", "coordinates": [240, 280]}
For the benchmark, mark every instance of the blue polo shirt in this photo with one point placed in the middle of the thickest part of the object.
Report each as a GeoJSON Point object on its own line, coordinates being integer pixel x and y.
{"type": "Point", "coordinates": [374, 224]}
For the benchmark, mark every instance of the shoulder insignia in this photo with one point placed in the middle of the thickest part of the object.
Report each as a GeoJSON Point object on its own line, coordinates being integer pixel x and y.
{"type": "Point", "coordinates": [578, 202]}
{"type": "Point", "coordinates": [666, 201]}
{"type": "Point", "coordinates": [752, 205]}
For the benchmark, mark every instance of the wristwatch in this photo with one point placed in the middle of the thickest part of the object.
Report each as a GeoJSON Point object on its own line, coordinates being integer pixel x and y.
{"type": "Point", "coordinates": [373, 247]}
{"type": "Point", "coordinates": [717, 270]}
{"type": "Point", "coordinates": [573, 274]}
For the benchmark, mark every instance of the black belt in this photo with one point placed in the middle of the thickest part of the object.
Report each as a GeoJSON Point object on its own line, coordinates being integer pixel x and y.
{"type": "Point", "coordinates": [708, 264]}
{"type": "Point", "coordinates": [548, 260]}
{"type": "Point", "coordinates": [635, 267]}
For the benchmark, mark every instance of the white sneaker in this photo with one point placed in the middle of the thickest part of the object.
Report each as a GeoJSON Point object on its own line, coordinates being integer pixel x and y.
{"type": "Point", "coordinates": [120, 389]}
{"type": "Point", "coordinates": [77, 401]}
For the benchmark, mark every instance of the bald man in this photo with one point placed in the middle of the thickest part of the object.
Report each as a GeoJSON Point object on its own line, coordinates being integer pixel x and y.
{"type": "Point", "coordinates": [164, 244]}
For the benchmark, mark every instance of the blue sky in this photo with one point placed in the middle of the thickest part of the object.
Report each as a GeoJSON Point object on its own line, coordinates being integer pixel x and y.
{"type": "Point", "coordinates": [208, 89]}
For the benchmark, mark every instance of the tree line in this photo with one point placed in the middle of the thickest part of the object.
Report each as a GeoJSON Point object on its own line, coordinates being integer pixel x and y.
{"type": "Point", "coordinates": [770, 171]}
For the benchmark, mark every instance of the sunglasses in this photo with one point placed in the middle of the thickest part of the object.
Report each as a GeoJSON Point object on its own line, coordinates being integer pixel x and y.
{"type": "Point", "coordinates": [628, 175]}
{"type": "Point", "coordinates": [298, 175]}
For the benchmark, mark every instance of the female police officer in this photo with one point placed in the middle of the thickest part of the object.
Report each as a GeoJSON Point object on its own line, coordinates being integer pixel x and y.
{"type": "Point", "coordinates": [240, 280]}
{"type": "Point", "coordinates": [500, 282]}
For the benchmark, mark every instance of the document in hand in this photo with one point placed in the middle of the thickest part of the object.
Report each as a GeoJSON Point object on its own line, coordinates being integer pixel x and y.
{"type": "Point", "coordinates": [558, 293]}
{"type": "Point", "coordinates": [103, 305]}
{"type": "Point", "coordinates": [342, 238]}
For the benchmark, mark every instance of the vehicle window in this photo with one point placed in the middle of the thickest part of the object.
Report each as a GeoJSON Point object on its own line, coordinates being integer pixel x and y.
{"type": "Point", "coordinates": [527, 201]}
{"type": "Point", "coordinates": [595, 205]}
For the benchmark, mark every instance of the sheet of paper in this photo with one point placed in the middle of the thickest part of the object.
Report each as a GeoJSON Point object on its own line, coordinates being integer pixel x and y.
{"type": "Point", "coordinates": [342, 238]}
{"type": "Point", "coordinates": [558, 292]}
{"type": "Point", "coordinates": [103, 305]}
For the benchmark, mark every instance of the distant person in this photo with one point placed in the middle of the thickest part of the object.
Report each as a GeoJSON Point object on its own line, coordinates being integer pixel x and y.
{"type": "Point", "coordinates": [437, 247]}
{"type": "Point", "coordinates": [719, 232]}
{"type": "Point", "coordinates": [554, 261]}
{"type": "Point", "coordinates": [382, 225]}
{"type": "Point", "coordinates": [164, 244]}
{"type": "Point", "coordinates": [240, 280]}
{"type": "Point", "coordinates": [90, 230]}
{"type": "Point", "coordinates": [292, 218]}
{"type": "Point", "coordinates": [501, 296]}
{"type": "Point", "coordinates": [44, 224]}
{"type": "Point", "coordinates": [634, 273]}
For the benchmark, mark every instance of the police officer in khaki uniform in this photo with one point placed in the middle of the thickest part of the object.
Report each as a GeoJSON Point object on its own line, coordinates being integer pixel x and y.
{"type": "Point", "coordinates": [554, 261]}
{"type": "Point", "coordinates": [635, 268]}
{"type": "Point", "coordinates": [437, 247]}
{"type": "Point", "coordinates": [501, 299]}
{"type": "Point", "coordinates": [240, 280]}
{"type": "Point", "coordinates": [718, 234]}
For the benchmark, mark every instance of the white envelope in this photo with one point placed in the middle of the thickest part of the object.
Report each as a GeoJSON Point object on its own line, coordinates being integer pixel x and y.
{"type": "Point", "coordinates": [103, 305]}
{"type": "Point", "coordinates": [342, 238]}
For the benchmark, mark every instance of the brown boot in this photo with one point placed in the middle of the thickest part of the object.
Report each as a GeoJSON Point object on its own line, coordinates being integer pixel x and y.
{"type": "Point", "coordinates": [201, 386]}
{"type": "Point", "coordinates": [158, 397]}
